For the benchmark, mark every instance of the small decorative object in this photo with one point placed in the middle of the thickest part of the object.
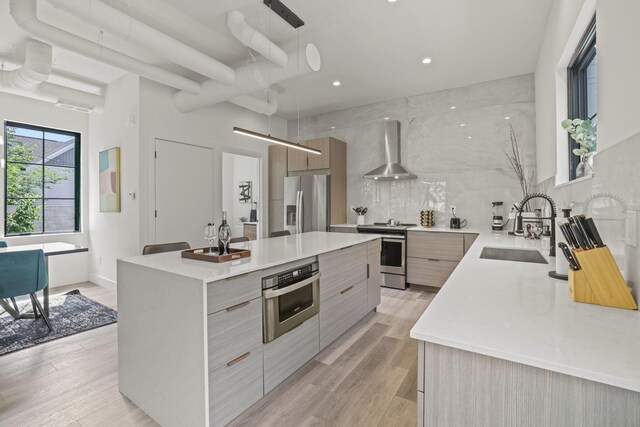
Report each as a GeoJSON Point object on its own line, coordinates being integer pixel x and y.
{"type": "Point", "coordinates": [585, 134]}
{"type": "Point", "coordinates": [360, 211]}
{"type": "Point", "coordinates": [427, 219]}
{"type": "Point", "coordinates": [516, 163]}
{"type": "Point", "coordinates": [109, 166]}
{"type": "Point", "coordinates": [224, 235]}
{"type": "Point", "coordinates": [212, 255]}
{"type": "Point", "coordinates": [210, 235]}
{"type": "Point", "coordinates": [243, 219]}
{"type": "Point", "coordinates": [245, 191]}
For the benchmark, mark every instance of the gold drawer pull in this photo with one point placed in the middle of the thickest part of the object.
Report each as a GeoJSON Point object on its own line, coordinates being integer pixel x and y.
{"type": "Point", "coordinates": [239, 359]}
{"type": "Point", "coordinates": [346, 290]}
{"type": "Point", "coordinates": [237, 306]}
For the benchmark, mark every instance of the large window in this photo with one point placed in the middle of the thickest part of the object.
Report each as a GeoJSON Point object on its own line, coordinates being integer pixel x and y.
{"type": "Point", "coordinates": [42, 180]}
{"type": "Point", "coordinates": [582, 84]}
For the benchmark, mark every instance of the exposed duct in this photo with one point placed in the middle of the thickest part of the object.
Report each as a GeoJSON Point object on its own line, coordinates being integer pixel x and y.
{"type": "Point", "coordinates": [132, 30]}
{"type": "Point", "coordinates": [24, 13]}
{"type": "Point", "coordinates": [253, 39]}
{"type": "Point", "coordinates": [250, 102]}
{"type": "Point", "coordinates": [250, 78]}
{"type": "Point", "coordinates": [30, 80]}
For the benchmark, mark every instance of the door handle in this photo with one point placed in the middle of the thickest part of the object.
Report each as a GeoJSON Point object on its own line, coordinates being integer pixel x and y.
{"type": "Point", "coordinates": [301, 212]}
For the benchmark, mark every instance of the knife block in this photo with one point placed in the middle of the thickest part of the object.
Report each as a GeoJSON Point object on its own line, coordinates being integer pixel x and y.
{"type": "Point", "coordinates": [599, 280]}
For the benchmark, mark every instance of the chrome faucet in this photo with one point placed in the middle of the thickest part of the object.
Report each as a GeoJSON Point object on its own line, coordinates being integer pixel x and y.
{"type": "Point", "coordinates": [554, 214]}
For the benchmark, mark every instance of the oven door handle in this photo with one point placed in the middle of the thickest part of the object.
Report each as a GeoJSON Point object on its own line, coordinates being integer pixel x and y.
{"type": "Point", "coordinates": [279, 292]}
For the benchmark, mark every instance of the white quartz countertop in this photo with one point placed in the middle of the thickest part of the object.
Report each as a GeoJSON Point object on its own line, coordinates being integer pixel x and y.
{"type": "Point", "coordinates": [449, 230]}
{"type": "Point", "coordinates": [514, 311]}
{"type": "Point", "coordinates": [265, 253]}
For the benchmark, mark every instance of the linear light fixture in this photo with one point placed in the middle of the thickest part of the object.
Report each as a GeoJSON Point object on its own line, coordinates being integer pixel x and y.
{"type": "Point", "coordinates": [275, 140]}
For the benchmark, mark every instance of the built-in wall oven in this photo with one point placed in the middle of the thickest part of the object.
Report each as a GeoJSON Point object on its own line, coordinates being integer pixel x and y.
{"type": "Point", "coordinates": [289, 298]}
{"type": "Point", "coordinates": [392, 257]}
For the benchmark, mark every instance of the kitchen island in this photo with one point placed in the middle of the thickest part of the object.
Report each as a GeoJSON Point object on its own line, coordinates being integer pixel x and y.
{"type": "Point", "coordinates": [502, 344]}
{"type": "Point", "coordinates": [190, 333]}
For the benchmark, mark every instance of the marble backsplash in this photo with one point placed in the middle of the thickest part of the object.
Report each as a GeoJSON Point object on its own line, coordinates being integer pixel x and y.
{"type": "Point", "coordinates": [457, 153]}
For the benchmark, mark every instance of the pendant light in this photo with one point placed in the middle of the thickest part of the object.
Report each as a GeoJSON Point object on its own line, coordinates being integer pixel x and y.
{"type": "Point", "coordinates": [268, 137]}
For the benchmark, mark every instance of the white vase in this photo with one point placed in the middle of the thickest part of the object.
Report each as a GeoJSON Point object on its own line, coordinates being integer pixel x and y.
{"type": "Point", "coordinates": [360, 219]}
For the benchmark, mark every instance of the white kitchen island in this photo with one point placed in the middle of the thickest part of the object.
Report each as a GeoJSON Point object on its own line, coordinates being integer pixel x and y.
{"type": "Point", "coordinates": [190, 347]}
{"type": "Point", "coordinates": [502, 344]}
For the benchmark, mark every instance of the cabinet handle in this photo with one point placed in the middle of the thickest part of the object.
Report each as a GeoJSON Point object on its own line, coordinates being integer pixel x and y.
{"type": "Point", "coordinates": [368, 275]}
{"type": "Point", "coordinates": [346, 290]}
{"type": "Point", "coordinates": [432, 259]}
{"type": "Point", "coordinates": [237, 306]}
{"type": "Point", "coordinates": [239, 359]}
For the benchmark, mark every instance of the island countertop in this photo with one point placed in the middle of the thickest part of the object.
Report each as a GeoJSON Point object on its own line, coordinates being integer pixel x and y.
{"type": "Point", "coordinates": [265, 253]}
{"type": "Point", "coordinates": [514, 311]}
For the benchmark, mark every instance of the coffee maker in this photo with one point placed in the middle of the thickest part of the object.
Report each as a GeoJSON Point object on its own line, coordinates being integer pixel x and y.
{"type": "Point", "coordinates": [497, 223]}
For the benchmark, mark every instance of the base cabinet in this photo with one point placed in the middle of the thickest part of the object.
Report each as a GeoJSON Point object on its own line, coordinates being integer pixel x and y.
{"type": "Point", "coordinates": [235, 386]}
{"type": "Point", "coordinates": [342, 311]}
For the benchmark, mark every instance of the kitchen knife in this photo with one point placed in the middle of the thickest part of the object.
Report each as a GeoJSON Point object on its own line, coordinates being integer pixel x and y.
{"type": "Point", "coordinates": [585, 235]}
{"type": "Point", "coordinates": [569, 256]}
{"type": "Point", "coordinates": [593, 231]}
{"type": "Point", "coordinates": [571, 239]}
{"type": "Point", "coordinates": [576, 232]}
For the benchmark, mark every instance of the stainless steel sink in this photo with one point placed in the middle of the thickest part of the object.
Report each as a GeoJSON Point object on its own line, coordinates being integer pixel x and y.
{"type": "Point", "coordinates": [509, 254]}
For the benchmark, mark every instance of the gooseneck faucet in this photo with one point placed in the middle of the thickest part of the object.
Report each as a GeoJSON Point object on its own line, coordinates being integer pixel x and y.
{"type": "Point", "coordinates": [554, 214]}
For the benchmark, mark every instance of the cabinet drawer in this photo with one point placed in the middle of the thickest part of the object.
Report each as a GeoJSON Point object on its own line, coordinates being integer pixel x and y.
{"type": "Point", "coordinates": [429, 272]}
{"type": "Point", "coordinates": [287, 353]}
{"type": "Point", "coordinates": [443, 246]}
{"type": "Point", "coordinates": [341, 269]}
{"type": "Point", "coordinates": [234, 331]}
{"type": "Point", "coordinates": [234, 387]}
{"type": "Point", "coordinates": [235, 290]}
{"type": "Point", "coordinates": [342, 311]}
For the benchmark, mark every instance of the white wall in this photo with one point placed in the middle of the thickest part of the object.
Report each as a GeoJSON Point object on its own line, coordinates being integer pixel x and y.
{"type": "Point", "coordinates": [65, 269]}
{"type": "Point", "coordinates": [115, 235]}
{"type": "Point", "coordinates": [210, 127]}
{"type": "Point", "coordinates": [451, 169]}
{"type": "Point", "coordinates": [618, 34]}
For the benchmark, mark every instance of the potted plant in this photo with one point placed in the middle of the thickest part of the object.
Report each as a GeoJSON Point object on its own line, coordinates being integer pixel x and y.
{"type": "Point", "coordinates": [585, 134]}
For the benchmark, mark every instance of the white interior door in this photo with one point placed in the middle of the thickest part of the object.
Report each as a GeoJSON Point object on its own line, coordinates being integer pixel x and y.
{"type": "Point", "coordinates": [184, 192]}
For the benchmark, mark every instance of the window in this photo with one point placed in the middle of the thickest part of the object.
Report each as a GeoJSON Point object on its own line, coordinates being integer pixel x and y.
{"type": "Point", "coordinates": [582, 85]}
{"type": "Point", "coordinates": [42, 180]}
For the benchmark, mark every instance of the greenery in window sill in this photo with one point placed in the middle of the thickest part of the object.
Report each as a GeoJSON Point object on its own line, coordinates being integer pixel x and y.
{"type": "Point", "coordinates": [584, 133]}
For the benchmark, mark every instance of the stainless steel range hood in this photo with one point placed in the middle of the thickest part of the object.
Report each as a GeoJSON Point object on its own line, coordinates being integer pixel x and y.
{"type": "Point", "coordinates": [392, 169]}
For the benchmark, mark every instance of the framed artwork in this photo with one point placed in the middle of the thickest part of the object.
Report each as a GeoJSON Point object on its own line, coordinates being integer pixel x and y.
{"type": "Point", "coordinates": [110, 180]}
{"type": "Point", "coordinates": [245, 191]}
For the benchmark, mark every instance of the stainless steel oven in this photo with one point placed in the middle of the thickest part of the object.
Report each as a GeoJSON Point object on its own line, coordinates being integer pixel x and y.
{"type": "Point", "coordinates": [288, 299]}
{"type": "Point", "coordinates": [393, 255]}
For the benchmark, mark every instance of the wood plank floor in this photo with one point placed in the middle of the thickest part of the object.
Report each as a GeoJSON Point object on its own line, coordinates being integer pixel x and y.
{"type": "Point", "coordinates": [367, 377]}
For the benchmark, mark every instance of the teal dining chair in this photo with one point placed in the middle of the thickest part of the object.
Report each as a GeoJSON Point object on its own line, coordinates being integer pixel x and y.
{"type": "Point", "coordinates": [24, 273]}
{"type": "Point", "coordinates": [3, 244]}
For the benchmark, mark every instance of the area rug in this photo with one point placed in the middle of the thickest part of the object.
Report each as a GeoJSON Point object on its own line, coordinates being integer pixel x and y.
{"type": "Point", "coordinates": [69, 314]}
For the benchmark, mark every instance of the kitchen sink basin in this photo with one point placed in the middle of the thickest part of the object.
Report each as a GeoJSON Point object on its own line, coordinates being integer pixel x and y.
{"type": "Point", "coordinates": [509, 254]}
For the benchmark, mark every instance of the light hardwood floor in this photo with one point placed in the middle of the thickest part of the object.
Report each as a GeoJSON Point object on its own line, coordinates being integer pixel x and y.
{"type": "Point", "coordinates": [367, 377]}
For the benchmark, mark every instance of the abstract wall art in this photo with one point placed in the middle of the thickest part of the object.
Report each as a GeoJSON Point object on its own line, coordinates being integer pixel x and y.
{"type": "Point", "coordinates": [110, 180]}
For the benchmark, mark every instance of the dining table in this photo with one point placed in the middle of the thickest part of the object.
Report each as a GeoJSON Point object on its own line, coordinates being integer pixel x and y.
{"type": "Point", "coordinates": [50, 249]}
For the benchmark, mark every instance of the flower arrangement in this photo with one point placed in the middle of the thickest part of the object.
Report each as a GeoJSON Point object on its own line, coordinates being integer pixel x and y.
{"type": "Point", "coordinates": [584, 133]}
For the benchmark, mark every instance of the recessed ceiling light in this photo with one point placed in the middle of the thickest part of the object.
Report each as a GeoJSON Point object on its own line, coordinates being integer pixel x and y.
{"type": "Point", "coordinates": [396, 177]}
{"type": "Point", "coordinates": [376, 178]}
{"type": "Point", "coordinates": [333, 127]}
{"type": "Point", "coordinates": [462, 125]}
{"type": "Point", "coordinates": [453, 107]}
{"type": "Point", "coordinates": [392, 1]}
{"type": "Point", "coordinates": [507, 118]}
{"type": "Point", "coordinates": [468, 137]}
{"type": "Point", "coordinates": [386, 118]}
{"type": "Point", "coordinates": [337, 83]}
{"type": "Point", "coordinates": [426, 60]}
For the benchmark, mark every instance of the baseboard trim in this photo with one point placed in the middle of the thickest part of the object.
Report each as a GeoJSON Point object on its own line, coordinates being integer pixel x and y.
{"type": "Point", "coordinates": [103, 281]}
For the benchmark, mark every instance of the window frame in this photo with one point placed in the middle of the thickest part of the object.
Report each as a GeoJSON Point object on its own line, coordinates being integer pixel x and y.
{"type": "Point", "coordinates": [577, 87]}
{"type": "Point", "coordinates": [76, 173]}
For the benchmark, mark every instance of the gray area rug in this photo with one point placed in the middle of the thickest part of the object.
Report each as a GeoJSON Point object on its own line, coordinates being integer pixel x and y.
{"type": "Point", "coordinates": [69, 314]}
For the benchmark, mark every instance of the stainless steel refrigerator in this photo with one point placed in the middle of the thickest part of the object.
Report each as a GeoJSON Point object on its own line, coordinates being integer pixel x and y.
{"type": "Point", "coordinates": [306, 203]}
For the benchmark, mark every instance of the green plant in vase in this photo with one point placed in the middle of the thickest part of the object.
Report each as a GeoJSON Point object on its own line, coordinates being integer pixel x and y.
{"type": "Point", "coordinates": [585, 134]}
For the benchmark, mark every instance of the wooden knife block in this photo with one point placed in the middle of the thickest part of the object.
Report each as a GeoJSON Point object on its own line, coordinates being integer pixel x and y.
{"type": "Point", "coordinates": [599, 280]}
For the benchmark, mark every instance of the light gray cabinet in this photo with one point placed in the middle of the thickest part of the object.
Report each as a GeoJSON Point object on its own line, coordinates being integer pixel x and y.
{"type": "Point", "coordinates": [374, 276]}
{"type": "Point", "coordinates": [234, 331]}
{"type": "Point", "coordinates": [285, 355]}
{"type": "Point", "coordinates": [233, 291]}
{"type": "Point", "coordinates": [342, 311]}
{"type": "Point", "coordinates": [235, 386]}
{"type": "Point", "coordinates": [341, 269]}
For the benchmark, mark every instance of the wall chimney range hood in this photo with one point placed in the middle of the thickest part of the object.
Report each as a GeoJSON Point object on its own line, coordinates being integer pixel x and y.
{"type": "Point", "coordinates": [392, 169]}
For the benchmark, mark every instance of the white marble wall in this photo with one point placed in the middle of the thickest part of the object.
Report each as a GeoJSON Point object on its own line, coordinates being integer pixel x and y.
{"type": "Point", "coordinates": [452, 169]}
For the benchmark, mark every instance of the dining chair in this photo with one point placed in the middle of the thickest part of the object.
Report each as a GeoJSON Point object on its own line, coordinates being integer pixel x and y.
{"type": "Point", "coordinates": [3, 244]}
{"type": "Point", "coordinates": [239, 239]}
{"type": "Point", "coordinates": [24, 273]}
{"type": "Point", "coordinates": [165, 247]}
{"type": "Point", "coordinates": [280, 233]}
